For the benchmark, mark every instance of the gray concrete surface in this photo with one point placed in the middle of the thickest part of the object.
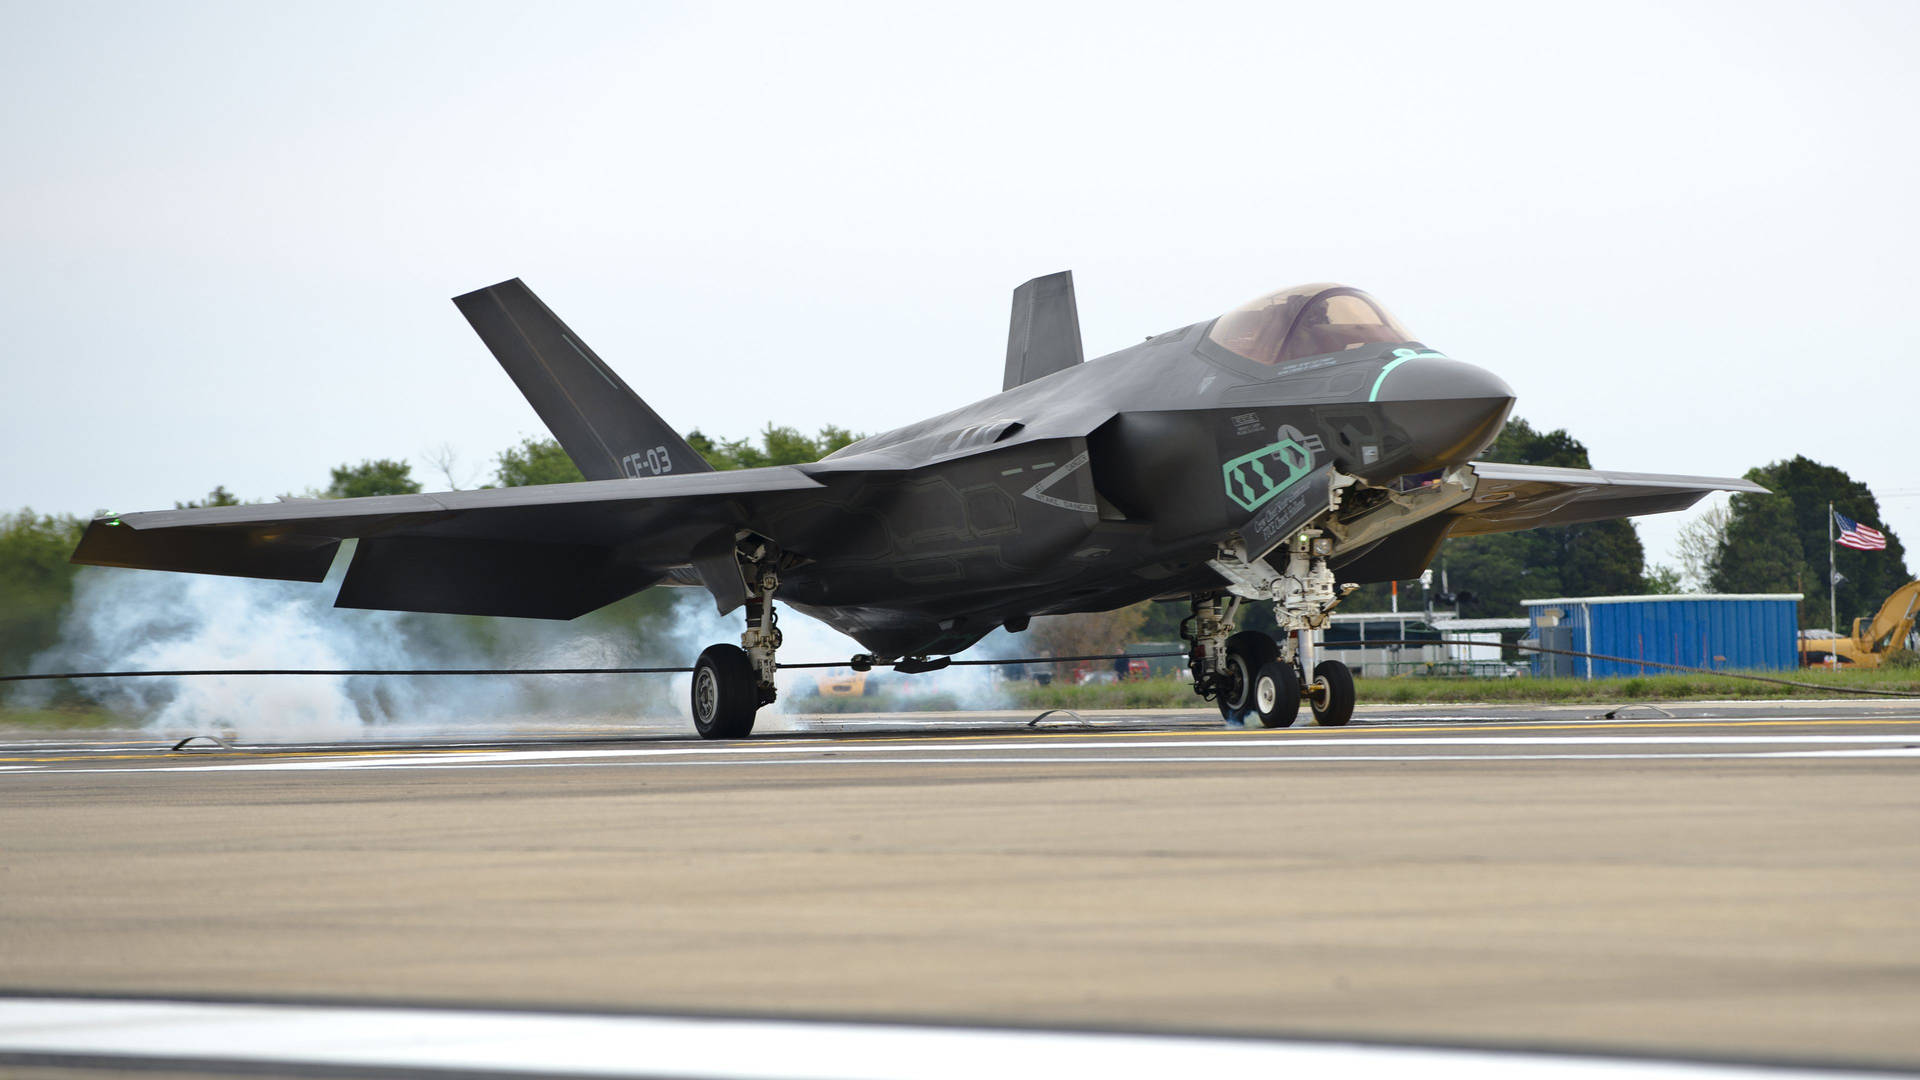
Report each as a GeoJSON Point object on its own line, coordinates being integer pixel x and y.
{"type": "Point", "coordinates": [1737, 881]}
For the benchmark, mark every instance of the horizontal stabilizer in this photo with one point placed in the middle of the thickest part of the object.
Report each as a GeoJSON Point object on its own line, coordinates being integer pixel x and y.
{"type": "Point", "coordinates": [1044, 336]}
{"type": "Point", "coordinates": [260, 551]}
{"type": "Point", "coordinates": [459, 576]}
{"type": "Point", "coordinates": [601, 423]}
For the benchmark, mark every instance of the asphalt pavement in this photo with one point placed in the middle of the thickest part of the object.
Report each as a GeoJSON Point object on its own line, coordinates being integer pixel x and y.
{"type": "Point", "coordinates": [1725, 881]}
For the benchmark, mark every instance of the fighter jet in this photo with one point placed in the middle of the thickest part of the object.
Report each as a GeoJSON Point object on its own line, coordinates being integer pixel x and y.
{"type": "Point", "coordinates": [1285, 452]}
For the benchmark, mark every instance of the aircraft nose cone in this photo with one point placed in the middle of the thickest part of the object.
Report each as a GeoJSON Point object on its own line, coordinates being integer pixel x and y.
{"type": "Point", "coordinates": [1449, 410]}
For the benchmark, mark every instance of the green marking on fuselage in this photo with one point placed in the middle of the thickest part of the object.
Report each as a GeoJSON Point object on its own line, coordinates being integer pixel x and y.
{"type": "Point", "coordinates": [1251, 486]}
{"type": "Point", "coordinates": [1400, 356]}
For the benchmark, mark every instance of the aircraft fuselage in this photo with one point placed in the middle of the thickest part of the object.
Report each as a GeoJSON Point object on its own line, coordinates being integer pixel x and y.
{"type": "Point", "coordinates": [1114, 481]}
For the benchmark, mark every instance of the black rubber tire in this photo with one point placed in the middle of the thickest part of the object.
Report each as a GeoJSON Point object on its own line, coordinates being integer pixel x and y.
{"type": "Point", "coordinates": [1276, 694]}
{"type": "Point", "coordinates": [1247, 652]}
{"type": "Point", "coordinates": [1331, 695]}
{"type": "Point", "coordinates": [725, 693]}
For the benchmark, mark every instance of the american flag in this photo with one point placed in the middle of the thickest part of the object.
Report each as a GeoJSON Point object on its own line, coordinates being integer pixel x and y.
{"type": "Point", "coordinates": [1858, 536]}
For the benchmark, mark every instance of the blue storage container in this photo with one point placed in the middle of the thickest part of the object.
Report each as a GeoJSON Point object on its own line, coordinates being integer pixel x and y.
{"type": "Point", "coordinates": [1703, 631]}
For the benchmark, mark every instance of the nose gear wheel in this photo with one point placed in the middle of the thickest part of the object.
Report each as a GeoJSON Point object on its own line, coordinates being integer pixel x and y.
{"type": "Point", "coordinates": [1247, 652]}
{"type": "Point", "coordinates": [1276, 694]}
{"type": "Point", "coordinates": [1331, 694]}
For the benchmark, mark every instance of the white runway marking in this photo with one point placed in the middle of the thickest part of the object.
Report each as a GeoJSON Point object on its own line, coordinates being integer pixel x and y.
{"type": "Point", "coordinates": [588, 1045]}
{"type": "Point", "coordinates": [1211, 759]}
{"type": "Point", "coordinates": [1223, 749]}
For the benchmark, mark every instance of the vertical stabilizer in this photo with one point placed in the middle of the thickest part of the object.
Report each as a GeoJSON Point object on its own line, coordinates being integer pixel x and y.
{"type": "Point", "coordinates": [602, 424]}
{"type": "Point", "coordinates": [1045, 334]}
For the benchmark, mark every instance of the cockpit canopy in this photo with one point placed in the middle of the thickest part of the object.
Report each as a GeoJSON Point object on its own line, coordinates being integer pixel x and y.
{"type": "Point", "coordinates": [1309, 320]}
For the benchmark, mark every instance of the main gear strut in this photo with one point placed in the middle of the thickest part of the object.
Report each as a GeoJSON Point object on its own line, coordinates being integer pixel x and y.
{"type": "Point", "coordinates": [731, 682]}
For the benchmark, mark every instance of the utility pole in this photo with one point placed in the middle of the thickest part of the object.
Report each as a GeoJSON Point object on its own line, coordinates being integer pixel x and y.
{"type": "Point", "coordinates": [1393, 666]}
{"type": "Point", "coordinates": [1833, 595]}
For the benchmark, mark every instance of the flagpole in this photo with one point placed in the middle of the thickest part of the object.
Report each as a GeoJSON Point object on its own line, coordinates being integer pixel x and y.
{"type": "Point", "coordinates": [1833, 601]}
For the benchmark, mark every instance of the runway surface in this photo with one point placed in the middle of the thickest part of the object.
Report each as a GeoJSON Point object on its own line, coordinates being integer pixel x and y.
{"type": "Point", "coordinates": [1730, 881]}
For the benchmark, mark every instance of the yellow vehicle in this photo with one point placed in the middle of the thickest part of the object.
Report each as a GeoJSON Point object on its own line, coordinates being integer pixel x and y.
{"type": "Point", "coordinates": [842, 683]}
{"type": "Point", "coordinates": [1870, 642]}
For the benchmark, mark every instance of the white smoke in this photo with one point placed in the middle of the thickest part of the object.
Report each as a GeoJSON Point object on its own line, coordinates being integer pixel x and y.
{"type": "Point", "coordinates": [136, 620]}
{"type": "Point", "coordinates": [806, 640]}
{"type": "Point", "coordinates": [139, 620]}
{"type": "Point", "coordinates": [970, 687]}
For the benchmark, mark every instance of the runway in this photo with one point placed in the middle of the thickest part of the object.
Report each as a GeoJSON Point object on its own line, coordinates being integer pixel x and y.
{"type": "Point", "coordinates": [1727, 882]}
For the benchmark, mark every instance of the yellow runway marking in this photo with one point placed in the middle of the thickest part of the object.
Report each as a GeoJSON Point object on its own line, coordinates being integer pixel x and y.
{"type": "Point", "coordinates": [1461, 727]}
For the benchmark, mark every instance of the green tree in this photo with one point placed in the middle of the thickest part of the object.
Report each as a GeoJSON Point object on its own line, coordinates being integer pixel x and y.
{"type": "Point", "coordinates": [36, 582]}
{"type": "Point", "coordinates": [1163, 619]}
{"type": "Point", "coordinates": [1759, 550]}
{"type": "Point", "coordinates": [1778, 542]}
{"type": "Point", "coordinates": [777, 446]}
{"type": "Point", "coordinates": [542, 461]}
{"type": "Point", "coordinates": [536, 461]}
{"type": "Point", "coordinates": [1698, 545]}
{"type": "Point", "coordinates": [1091, 634]}
{"type": "Point", "coordinates": [1664, 580]}
{"type": "Point", "coordinates": [382, 477]}
{"type": "Point", "coordinates": [219, 496]}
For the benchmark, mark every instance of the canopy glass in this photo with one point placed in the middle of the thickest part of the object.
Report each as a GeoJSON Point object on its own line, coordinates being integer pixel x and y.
{"type": "Point", "coordinates": [1309, 320]}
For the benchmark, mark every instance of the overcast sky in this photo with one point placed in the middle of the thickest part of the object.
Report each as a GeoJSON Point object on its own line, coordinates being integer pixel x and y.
{"type": "Point", "coordinates": [1686, 232]}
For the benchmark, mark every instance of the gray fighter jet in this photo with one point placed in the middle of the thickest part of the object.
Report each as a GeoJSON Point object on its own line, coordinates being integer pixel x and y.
{"type": "Point", "coordinates": [1285, 452]}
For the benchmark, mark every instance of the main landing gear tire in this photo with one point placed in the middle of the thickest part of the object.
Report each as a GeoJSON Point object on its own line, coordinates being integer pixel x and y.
{"type": "Point", "coordinates": [1247, 652]}
{"type": "Point", "coordinates": [1331, 694]}
{"type": "Point", "coordinates": [1276, 694]}
{"type": "Point", "coordinates": [725, 693]}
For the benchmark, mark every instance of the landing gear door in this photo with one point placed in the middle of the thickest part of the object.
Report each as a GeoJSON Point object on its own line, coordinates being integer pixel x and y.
{"type": "Point", "coordinates": [1281, 491]}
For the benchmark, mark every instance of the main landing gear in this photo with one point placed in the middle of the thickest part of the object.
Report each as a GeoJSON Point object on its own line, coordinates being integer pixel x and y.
{"type": "Point", "coordinates": [1252, 677]}
{"type": "Point", "coordinates": [731, 682]}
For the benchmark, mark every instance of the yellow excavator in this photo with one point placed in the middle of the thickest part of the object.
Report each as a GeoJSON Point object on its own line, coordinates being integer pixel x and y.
{"type": "Point", "coordinates": [1870, 642]}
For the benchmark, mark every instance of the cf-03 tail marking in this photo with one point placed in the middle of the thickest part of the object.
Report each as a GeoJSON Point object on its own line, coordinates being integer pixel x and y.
{"type": "Point", "coordinates": [653, 461]}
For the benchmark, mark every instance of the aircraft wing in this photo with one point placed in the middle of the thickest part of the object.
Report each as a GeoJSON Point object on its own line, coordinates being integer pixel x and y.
{"type": "Point", "coordinates": [1508, 498]}
{"type": "Point", "coordinates": [550, 551]}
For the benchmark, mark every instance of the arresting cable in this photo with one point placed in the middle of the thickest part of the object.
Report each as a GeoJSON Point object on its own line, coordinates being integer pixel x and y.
{"type": "Point", "coordinates": [1334, 648]}
{"type": "Point", "coordinates": [45, 676]}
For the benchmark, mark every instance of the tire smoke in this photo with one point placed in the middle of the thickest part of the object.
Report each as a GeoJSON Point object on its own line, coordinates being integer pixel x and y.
{"type": "Point", "coordinates": [147, 620]}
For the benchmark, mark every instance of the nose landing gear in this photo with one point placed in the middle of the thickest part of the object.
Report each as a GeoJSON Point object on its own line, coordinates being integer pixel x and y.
{"type": "Point", "coordinates": [1253, 678]}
